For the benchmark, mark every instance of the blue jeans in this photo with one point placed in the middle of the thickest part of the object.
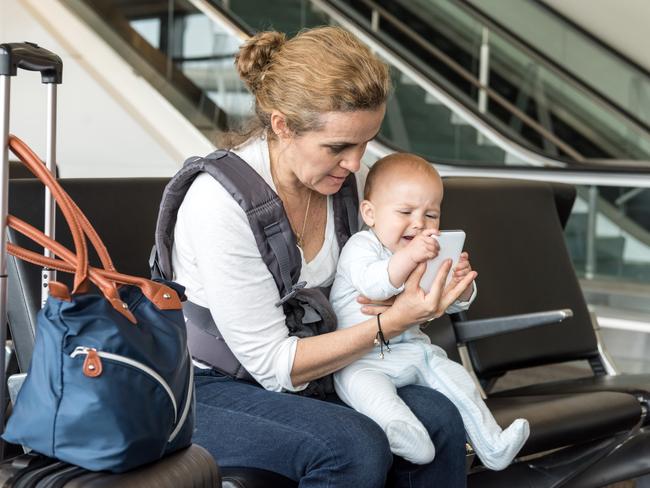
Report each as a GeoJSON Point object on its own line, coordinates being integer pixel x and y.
{"type": "Point", "coordinates": [322, 443]}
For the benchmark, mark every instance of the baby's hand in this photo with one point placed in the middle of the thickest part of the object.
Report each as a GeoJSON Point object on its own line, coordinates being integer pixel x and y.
{"type": "Point", "coordinates": [424, 246]}
{"type": "Point", "coordinates": [462, 269]}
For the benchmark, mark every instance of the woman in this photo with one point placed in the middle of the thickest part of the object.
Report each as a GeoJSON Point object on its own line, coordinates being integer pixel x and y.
{"type": "Point", "coordinates": [319, 98]}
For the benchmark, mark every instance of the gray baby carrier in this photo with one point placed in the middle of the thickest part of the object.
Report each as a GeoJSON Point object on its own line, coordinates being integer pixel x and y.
{"type": "Point", "coordinates": [308, 310]}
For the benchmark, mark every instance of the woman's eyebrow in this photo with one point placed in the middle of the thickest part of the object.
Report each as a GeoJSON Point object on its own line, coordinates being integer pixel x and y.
{"type": "Point", "coordinates": [347, 143]}
{"type": "Point", "coordinates": [338, 144]}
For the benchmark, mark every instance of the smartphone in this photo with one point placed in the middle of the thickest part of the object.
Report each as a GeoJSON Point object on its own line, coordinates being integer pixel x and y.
{"type": "Point", "coordinates": [451, 246]}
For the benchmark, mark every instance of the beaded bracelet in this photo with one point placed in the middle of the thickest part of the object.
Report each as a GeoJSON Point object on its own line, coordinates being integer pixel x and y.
{"type": "Point", "coordinates": [380, 340]}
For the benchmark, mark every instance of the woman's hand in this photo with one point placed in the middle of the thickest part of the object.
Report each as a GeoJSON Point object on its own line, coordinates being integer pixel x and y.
{"type": "Point", "coordinates": [376, 307]}
{"type": "Point", "coordinates": [414, 305]}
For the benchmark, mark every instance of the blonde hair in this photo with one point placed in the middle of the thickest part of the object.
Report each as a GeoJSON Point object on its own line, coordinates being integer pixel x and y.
{"type": "Point", "coordinates": [319, 70]}
{"type": "Point", "coordinates": [387, 165]}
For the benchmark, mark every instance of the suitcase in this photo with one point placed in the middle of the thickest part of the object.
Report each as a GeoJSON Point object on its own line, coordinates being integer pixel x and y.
{"type": "Point", "coordinates": [191, 467]}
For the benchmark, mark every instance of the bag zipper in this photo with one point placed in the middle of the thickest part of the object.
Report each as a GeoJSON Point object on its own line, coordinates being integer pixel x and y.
{"type": "Point", "coordinates": [82, 350]}
{"type": "Point", "coordinates": [188, 400]}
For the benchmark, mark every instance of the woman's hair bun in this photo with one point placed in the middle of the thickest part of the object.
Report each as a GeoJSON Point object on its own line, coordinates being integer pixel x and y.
{"type": "Point", "coordinates": [255, 55]}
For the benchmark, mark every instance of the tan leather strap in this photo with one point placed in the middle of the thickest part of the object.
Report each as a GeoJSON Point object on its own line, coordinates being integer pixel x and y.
{"type": "Point", "coordinates": [76, 221]}
{"type": "Point", "coordinates": [34, 164]}
{"type": "Point", "coordinates": [96, 241]}
{"type": "Point", "coordinates": [107, 278]}
{"type": "Point", "coordinates": [161, 295]}
{"type": "Point", "coordinates": [86, 226]}
{"type": "Point", "coordinates": [107, 287]}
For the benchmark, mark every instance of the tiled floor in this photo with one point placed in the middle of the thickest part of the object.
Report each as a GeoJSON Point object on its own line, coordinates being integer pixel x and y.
{"type": "Point", "coordinates": [630, 350]}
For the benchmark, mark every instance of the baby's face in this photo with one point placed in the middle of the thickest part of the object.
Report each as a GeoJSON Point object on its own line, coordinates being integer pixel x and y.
{"type": "Point", "coordinates": [404, 207]}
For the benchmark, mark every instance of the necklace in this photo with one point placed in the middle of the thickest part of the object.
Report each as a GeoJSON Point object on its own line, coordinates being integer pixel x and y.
{"type": "Point", "coordinates": [304, 221]}
{"type": "Point", "coordinates": [301, 235]}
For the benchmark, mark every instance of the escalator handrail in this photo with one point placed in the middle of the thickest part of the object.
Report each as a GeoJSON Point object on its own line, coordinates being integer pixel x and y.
{"type": "Point", "coordinates": [223, 18]}
{"type": "Point", "coordinates": [512, 109]}
{"type": "Point", "coordinates": [536, 54]}
{"type": "Point", "coordinates": [137, 52]}
{"type": "Point", "coordinates": [596, 176]}
{"type": "Point", "coordinates": [578, 175]}
{"type": "Point", "coordinates": [220, 15]}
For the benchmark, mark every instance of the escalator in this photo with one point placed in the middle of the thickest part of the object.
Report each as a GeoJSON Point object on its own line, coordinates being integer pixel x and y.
{"type": "Point", "coordinates": [475, 57]}
{"type": "Point", "coordinates": [511, 89]}
{"type": "Point", "coordinates": [142, 34]}
{"type": "Point", "coordinates": [532, 99]}
{"type": "Point", "coordinates": [186, 49]}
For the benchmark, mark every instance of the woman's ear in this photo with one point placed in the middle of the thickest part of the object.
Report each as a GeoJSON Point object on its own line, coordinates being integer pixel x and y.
{"type": "Point", "coordinates": [367, 210]}
{"type": "Point", "coordinates": [279, 125]}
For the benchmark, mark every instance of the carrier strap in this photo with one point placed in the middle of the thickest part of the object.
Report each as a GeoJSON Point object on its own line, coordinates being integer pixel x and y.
{"type": "Point", "coordinates": [208, 345]}
{"type": "Point", "coordinates": [274, 238]}
{"type": "Point", "coordinates": [261, 204]}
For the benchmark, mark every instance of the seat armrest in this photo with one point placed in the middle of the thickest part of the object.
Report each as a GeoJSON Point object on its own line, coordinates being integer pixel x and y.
{"type": "Point", "coordinates": [471, 330]}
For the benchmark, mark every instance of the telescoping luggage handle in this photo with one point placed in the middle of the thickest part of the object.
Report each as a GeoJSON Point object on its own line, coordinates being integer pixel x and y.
{"type": "Point", "coordinates": [29, 56]}
{"type": "Point", "coordinates": [26, 56]}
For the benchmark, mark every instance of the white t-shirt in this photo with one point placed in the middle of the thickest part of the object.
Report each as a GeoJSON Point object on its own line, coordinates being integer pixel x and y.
{"type": "Point", "coordinates": [216, 258]}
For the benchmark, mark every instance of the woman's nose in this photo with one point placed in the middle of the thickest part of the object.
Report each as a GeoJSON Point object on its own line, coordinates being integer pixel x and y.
{"type": "Point", "coordinates": [352, 160]}
{"type": "Point", "coordinates": [352, 164]}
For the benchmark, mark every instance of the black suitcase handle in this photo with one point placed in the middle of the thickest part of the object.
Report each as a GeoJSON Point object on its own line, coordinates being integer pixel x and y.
{"type": "Point", "coordinates": [31, 57]}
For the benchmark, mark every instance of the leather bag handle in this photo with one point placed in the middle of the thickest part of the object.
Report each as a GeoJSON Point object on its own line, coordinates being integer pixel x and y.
{"type": "Point", "coordinates": [107, 287]}
{"type": "Point", "coordinates": [164, 297]}
{"type": "Point", "coordinates": [27, 155]}
{"type": "Point", "coordinates": [107, 278]}
{"type": "Point", "coordinates": [93, 236]}
{"type": "Point", "coordinates": [34, 164]}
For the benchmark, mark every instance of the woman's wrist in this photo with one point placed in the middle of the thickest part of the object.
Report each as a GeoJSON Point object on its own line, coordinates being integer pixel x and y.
{"type": "Point", "coordinates": [392, 324]}
{"type": "Point", "coordinates": [380, 339]}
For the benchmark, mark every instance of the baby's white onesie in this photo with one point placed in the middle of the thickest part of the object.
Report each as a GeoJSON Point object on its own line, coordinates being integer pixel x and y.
{"type": "Point", "coordinates": [369, 384]}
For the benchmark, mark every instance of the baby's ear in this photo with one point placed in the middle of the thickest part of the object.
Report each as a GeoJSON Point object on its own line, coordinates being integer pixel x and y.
{"type": "Point", "coordinates": [367, 210]}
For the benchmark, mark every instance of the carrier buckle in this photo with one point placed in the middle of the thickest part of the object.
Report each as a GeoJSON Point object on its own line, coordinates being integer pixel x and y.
{"type": "Point", "coordinates": [294, 289]}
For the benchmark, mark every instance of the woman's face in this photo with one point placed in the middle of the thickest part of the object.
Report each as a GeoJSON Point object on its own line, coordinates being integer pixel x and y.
{"type": "Point", "coordinates": [322, 159]}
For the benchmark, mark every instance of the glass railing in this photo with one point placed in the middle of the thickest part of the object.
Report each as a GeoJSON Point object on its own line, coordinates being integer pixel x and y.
{"type": "Point", "coordinates": [193, 56]}
{"type": "Point", "coordinates": [416, 121]}
{"type": "Point", "coordinates": [180, 51]}
{"type": "Point", "coordinates": [511, 85]}
{"type": "Point", "coordinates": [203, 51]}
{"type": "Point", "coordinates": [617, 78]}
{"type": "Point", "coordinates": [608, 233]}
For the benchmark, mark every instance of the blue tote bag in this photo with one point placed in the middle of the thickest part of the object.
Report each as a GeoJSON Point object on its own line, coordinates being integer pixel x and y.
{"type": "Point", "coordinates": [110, 385]}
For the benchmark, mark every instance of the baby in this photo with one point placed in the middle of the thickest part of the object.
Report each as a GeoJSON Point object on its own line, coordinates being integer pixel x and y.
{"type": "Point", "coordinates": [403, 194]}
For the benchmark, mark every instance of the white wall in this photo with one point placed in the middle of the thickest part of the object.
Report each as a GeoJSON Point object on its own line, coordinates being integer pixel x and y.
{"type": "Point", "coordinates": [101, 132]}
{"type": "Point", "coordinates": [623, 24]}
